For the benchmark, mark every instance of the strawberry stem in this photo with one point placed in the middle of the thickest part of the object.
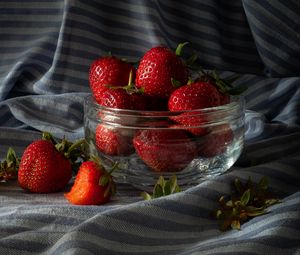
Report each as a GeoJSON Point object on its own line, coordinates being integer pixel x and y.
{"type": "Point", "coordinates": [48, 137]}
{"type": "Point", "coordinates": [175, 83]}
{"type": "Point", "coordinates": [74, 146]}
{"type": "Point", "coordinates": [114, 167]}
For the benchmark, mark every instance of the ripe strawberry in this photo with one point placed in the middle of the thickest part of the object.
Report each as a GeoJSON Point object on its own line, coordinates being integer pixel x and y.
{"type": "Point", "coordinates": [92, 186]}
{"type": "Point", "coordinates": [216, 141]}
{"type": "Point", "coordinates": [197, 95]}
{"type": "Point", "coordinates": [156, 70]}
{"type": "Point", "coordinates": [108, 71]}
{"type": "Point", "coordinates": [164, 150]}
{"type": "Point", "coordinates": [194, 96]}
{"type": "Point", "coordinates": [43, 168]}
{"type": "Point", "coordinates": [115, 98]}
{"type": "Point", "coordinates": [113, 141]}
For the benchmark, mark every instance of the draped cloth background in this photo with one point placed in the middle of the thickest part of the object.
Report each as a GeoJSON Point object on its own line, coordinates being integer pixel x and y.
{"type": "Point", "coordinates": [46, 48]}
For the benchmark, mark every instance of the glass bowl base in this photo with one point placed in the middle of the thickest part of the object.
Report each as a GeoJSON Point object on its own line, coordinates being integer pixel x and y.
{"type": "Point", "coordinates": [132, 170]}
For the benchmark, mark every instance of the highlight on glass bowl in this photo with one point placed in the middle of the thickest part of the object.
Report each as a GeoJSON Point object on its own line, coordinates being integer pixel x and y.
{"type": "Point", "coordinates": [153, 119]}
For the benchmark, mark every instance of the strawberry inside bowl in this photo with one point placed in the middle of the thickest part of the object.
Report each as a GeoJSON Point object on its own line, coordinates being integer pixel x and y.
{"type": "Point", "coordinates": [193, 144]}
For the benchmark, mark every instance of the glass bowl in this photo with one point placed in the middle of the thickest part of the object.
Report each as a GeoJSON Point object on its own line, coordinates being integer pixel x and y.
{"type": "Point", "coordinates": [193, 145]}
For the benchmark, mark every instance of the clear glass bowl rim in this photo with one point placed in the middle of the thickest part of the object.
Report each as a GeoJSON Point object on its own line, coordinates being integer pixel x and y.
{"type": "Point", "coordinates": [236, 105]}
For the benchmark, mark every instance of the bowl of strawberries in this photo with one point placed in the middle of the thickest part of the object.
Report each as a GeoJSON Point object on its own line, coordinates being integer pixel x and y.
{"type": "Point", "coordinates": [154, 120]}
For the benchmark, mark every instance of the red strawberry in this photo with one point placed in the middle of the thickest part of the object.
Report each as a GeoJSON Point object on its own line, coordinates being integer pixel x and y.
{"type": "Point", "coordinates": [191, 121]}
{"type": "Point", "coordinates": [115, 98]}
{"type": "Point", "coordinates": [197, 95]}
{"type": "Point", "coordinates": [216, 141]}
{"type": "Point", "coordinates": [113, 141]}
{"type": "Point", "coordinates": [156, 70]}
{"type": "Point", "coordinates": [92, 186]}
{"type": "Point", "coordinates": [164, 150]}
{"type": "Point", "coordinates": [108, 71]}
{"type": "Point", "coordinates": [194, 96]}
{"type": "Point", "coordinates": [43, 168]}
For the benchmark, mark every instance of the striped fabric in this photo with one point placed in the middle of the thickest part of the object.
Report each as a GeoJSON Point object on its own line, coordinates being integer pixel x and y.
{"type": "Point", "coordinates": [46, 47]}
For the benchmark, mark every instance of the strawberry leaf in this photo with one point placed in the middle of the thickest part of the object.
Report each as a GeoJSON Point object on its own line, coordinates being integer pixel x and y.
{"type": "Point", "coordinates": [179, 48]}
{"type": "Point", "coordinates": [48, 136]}
{"type": "Point", "coordinates": [263, 183]}
{"type": "Point", "coordinates": [9, 166]}
{"type": "Point", "coordinates": [146, 195]}
{"type": "Point", "coordinates": [238, 186]}
{"type": "Point", "coordinates": [11, 156]}
{"type": "Point", "coordinates": [163, 188]}
{"type": "Point", "coordinates": [246, 202]}
{"type": "Point", "coordinates": [245, 197]}
{"type": "Point", "coordinates": [103, 180]}
{"type": "Point", "coordinates": [190, 62]}
{"type": "Point", "coordinates": [175, 83]}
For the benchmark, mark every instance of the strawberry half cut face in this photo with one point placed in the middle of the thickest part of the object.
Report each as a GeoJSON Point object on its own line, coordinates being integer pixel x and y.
{"type": "Point", "coordinates": [89, 187]}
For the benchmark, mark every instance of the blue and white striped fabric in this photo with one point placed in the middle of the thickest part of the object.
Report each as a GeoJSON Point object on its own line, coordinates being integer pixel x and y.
{"type": "Point", "coordinates": [46, 47]}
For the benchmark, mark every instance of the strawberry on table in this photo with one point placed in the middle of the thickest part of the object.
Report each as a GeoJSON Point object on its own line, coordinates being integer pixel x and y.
{"type": "Point", "coordinates": [92, 186]}
{"type": "Point", "coordinates": [46, 166]}
{"type": "Point", "coordinates": [109, 71]}
{"type": "Point", "coordinates": [157, 70]}
{"type": "Point", "coordinates": [165, 150]}
{"type": "Point", "coordinates": [43, 168]}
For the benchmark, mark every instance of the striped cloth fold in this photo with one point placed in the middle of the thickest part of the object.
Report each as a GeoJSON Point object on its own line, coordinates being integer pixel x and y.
{"type": "Point", "coordinates": [46, 48]}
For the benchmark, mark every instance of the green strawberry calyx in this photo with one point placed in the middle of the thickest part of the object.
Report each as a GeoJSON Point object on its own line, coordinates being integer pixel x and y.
{"type": "Point", "coordinates": [130, 87]}
{"type": "Point", "coordinates": [246, 202]}
{"type": "Point", "coordinates": [106, 178]}
{"type": "Point", "coordinates": [223, 85]}
{"type": "Point", "coordinates": [163, 188]}
{"type": "Point", "coordinates": [180, 46]}
{"type": "Point", "coordinates": [9, 166]}
{"type": "Point", "coordinates": [75, 152]}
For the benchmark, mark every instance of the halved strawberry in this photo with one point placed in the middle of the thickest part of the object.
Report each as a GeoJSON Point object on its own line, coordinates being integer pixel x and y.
{"type": "Point", "coordinates": [92, 186]}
